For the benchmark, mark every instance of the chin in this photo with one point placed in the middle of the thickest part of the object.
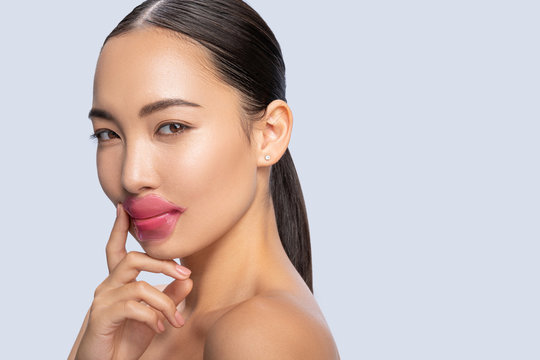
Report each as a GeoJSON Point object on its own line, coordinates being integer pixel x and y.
{"type": "Point", "coordinates": [156, 248]}
{"type": "Point", "coordinates": [170, 248]}
{"type": "Point", "coordinates": [160, 251]}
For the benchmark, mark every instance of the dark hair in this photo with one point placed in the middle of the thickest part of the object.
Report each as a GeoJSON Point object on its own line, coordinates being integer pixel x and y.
{"type": "Point", "coordinates": [248, 57]}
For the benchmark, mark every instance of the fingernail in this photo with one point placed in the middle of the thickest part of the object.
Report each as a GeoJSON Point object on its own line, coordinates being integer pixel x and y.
{"type": "Point", "coordinates": [160, 326]}
{"type": "Point", "coordinates": [183, 270]}
{"type": "Point", "coordinates": [179, 318]}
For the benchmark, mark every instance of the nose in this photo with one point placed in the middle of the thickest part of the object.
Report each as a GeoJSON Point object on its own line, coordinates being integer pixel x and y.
{"type": "Point", "coordinates": [139, 168]}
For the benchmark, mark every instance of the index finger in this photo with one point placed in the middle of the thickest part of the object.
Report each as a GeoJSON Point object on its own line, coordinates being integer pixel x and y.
{"type": "Point", "coordinates": [116, 246]}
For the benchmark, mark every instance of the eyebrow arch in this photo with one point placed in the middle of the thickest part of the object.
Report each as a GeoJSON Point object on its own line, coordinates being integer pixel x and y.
{"type": "Point", "coordinates": [163, 104]}
{"type": "Point", "coordinates": [145, 110]}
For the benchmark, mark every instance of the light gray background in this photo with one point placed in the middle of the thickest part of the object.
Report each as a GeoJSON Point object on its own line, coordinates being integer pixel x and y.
{"type": "Point", "coordinates": [416, 140]}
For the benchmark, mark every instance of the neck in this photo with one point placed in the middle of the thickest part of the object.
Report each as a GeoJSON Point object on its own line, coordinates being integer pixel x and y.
{"type": "Point", "coordinates": [237, 266]}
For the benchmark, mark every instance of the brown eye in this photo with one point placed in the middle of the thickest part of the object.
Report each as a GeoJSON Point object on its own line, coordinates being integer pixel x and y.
{"type": "Point", "coordinates": [172, 129]}
{"type": "Point", "coordinates": [105, 135]}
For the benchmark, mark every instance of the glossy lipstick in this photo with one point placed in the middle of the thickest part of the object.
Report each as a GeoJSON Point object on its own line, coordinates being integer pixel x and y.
{"type": "Point", "coordinates": [153, 217]}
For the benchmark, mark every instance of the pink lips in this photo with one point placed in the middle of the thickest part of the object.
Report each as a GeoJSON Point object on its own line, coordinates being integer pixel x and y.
{"type": "Point", "coordinates": [153, 217]}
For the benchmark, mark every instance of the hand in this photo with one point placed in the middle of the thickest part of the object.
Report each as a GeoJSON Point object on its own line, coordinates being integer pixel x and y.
{"type": "Point", "coordinates": [120, 325]}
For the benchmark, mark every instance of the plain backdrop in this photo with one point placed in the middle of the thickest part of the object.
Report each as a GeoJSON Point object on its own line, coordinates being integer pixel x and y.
{"type": "Point", "coordinates": [416, 140]}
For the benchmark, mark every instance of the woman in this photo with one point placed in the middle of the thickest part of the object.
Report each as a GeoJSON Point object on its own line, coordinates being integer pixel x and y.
{"type": "Point", "coordinates": [193, 129]}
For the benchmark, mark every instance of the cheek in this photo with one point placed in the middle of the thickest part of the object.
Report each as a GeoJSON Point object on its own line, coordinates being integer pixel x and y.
{"type": "Point", "coordinates": [109, 172]}
{"type": "Point", "coordinates": [216, 181]}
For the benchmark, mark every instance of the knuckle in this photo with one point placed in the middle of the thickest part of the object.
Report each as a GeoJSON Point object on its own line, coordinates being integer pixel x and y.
{"type": "Point", "coordinates": [170, 303]}
{"type": "Point", "coordinates": [99, 289]}
{"type": "Point", "coordinates": [100, 298]}
{"type": "Point", "coordinates": [131, 257]}
{"type": "Point", "coordinates": [141, 286]}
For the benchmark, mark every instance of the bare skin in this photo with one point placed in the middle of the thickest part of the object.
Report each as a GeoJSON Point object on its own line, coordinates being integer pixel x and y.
{"type": "Point", "coordinates": [243, 298]}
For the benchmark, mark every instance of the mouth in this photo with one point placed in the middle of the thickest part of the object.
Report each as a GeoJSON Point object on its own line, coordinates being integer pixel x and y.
{"type": "Point", "coordinates": [153, 218]}
{"type": "Point", "coordinates": [156, 227]}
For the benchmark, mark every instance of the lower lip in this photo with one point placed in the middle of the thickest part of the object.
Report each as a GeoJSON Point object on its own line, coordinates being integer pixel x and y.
{"type": "Point", "coordinates": [157, 227]}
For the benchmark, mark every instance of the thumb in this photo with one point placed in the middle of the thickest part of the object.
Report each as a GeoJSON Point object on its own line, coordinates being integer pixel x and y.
{"type": "Point", "coordinates": [178, 290]}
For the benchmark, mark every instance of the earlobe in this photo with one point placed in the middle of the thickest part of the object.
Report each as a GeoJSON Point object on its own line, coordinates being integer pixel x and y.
{"type": "Point", "coordinates": [275, 132]}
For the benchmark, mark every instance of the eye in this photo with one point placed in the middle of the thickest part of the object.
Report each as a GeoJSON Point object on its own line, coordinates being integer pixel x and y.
{"type": "Point", "coordinates": [104, 135]}
{"type": "Point", "coordinates": [172, 129]}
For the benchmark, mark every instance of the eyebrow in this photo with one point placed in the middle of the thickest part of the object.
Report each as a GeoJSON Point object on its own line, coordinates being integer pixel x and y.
{"type": "Point", "coordinates": [145, 110]}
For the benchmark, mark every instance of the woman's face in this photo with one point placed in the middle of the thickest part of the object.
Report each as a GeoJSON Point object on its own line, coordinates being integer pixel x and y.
{"type": "Point", "coordinates": [197, 157]}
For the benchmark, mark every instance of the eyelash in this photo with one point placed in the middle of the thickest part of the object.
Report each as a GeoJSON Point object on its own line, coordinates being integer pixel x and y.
{"type": "Point", "coordinates": [181, 129]}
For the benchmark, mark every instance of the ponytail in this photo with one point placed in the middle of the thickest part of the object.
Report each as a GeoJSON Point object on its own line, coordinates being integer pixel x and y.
{"type": "Point", "coordinates": [291, 216]}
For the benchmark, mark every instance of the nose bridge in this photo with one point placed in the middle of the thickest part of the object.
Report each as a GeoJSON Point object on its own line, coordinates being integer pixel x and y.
{"type": "Point", "coordinates": [138, 170]}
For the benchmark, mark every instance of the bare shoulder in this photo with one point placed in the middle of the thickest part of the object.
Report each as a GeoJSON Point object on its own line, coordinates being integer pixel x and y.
{"type": "Point", "coordinates": [271, 326]}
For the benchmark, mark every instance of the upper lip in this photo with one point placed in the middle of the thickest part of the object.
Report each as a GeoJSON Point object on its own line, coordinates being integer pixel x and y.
{"type": "Point", "coordinates": [149, 206]}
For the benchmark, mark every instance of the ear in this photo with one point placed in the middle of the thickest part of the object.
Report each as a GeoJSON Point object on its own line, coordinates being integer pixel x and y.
{"type": "Point", "coordinates": [273, 133]}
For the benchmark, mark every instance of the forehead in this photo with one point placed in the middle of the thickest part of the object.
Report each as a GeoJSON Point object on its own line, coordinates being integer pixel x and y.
{"type": "Point", "coordinates": [151, 63]}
